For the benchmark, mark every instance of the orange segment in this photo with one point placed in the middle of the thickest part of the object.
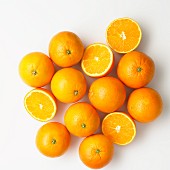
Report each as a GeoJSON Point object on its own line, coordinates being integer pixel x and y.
{"type": "Point", "coordinates": [98, 60]}
{"type": "Point", "coordinates": [123, 35]}
{"type": "Point", "coordinates": [119, 128]}
{"type": "Point", "coordinates": [40, 104]}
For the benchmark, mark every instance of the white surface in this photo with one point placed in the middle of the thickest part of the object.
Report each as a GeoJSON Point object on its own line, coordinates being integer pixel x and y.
{"type": "Point", "coordinates": [28, 26]}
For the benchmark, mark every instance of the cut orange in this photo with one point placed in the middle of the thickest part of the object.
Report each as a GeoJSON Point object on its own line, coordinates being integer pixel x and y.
{"type": "Point", "coordinates": [123, 35]}
{"type": "Point", "coordinates": [119, 128]}
{"type": "Point", "coordinates": [40, 104]}
{"type": "Point", "coordinates": [98, 60]}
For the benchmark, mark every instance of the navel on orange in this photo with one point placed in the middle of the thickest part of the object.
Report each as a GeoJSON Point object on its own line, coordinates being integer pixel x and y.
{"type": "Point", "coordinates": [53, 139]}
{"type": "Point", "coordinates": [40, 104]}
{"type": "Point", "coordinates": [119, 128]}
{"type": "Point", "coordinates": [82, 119]}
{"type": "Point", "coordinates": [123, 35]}
{"type": "Point", "coordinates": [98, 60]}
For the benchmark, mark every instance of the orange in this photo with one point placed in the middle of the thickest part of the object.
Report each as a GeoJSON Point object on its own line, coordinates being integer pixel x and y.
{"type": "Point", "coordinates": [107, 94]}
{"type": "Point", "coordinates": [98, 60]}
{"type": "Point", "coordinates": [40, 104]}
{"type": "Point", "coordinates": [135, 69]}
{"type": "Point", "coordinates": [96, 151]}
{"type": "Point", "coordinates": [36, 69]}
{"type": "Point", "coordinates": [81, 119]}
{"type": "Point", "coordinates": [145, 104]}
{"type": "Point", "coordinates": [123, 35]}
{"type": "Point", "coordinates": [66, 49]}
{"type": "Point", "coordinates": [68, 85]}
{"type": "Point", "coordinates": [53, 139]}
{"type": "Point", "coordinates": [119, 128]}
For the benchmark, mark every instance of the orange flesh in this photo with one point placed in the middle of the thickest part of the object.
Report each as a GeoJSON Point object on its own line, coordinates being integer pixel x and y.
{"type": "Point", "coordinates": [39, 105]}
{"type": "Point", "coordinates": [123, 35]}
{"type": "Point", "coordinates": [119, 128]}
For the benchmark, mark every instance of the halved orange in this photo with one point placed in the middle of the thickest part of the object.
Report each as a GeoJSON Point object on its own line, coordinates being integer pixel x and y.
{"type": "Point", "coordinates": [40, 104]}
{"type": "Point", "coordinates": [123, 35]}
{"type": "Point", "coordinates": [98, 60]}
{"type": "Point", "coordinates": [119, 128]}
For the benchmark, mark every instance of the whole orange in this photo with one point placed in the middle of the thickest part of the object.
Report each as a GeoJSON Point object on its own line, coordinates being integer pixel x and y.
{"type": "Point", "coordinates": [107, 94]}
{"type": "Point", "coordinates": [144, 104]}
{"type": "Point", "coordinates": [36, 69]}
{"type": "Point", "coordinates": [81, 119]}
{"type": "Point", "coordinates": [53, 139]}
{"type": "Point", "coordinates": [135, 69]}
{"type": "Point", "coordinates": [96, 151]}
{"type": "Point", "coordinates": [66, 49]}
{"type": "Point", "coordinates": [68, 85]}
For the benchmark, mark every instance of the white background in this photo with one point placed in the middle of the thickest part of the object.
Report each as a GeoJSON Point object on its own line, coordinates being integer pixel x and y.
{"type": "Point", "coordinates": [27, 26]}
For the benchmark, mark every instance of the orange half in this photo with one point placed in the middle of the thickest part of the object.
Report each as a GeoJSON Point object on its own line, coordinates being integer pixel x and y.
{"type": "Point", "coordinates": [123, 35]}
{"type": "Point", "coordinates": [40, 104]}
{"type": "Point", "coordinates": [98, 60]}
{"type": "Point", "coordinates": [119, 128]}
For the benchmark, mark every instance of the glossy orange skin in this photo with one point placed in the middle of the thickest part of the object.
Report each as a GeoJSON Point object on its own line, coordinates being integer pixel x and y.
{"type": "Point", "coordinates": [107, 94]}
{"type": "Point", "coordinates": [68, 85]}
{"type": "Point", "coordinates": [145, 104]}
{"type": "Point", "coordinates": [66, 49]}
{"type": "Point", "coordinates": [82, 119]}
{"type": "Point", "coordinates": [96, 151]}
{"type": "Point", "coordinates": [36, 69]}
{"type": "Point", "coordinates": [135, 69]}
{"type": "Point", "coordinates": [53, 139]}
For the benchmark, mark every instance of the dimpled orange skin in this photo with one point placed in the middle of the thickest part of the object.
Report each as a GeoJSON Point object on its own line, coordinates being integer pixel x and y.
{"type": "Point", "coordinates": [36, 69]}
{"type": "Point", "coordinates": [66, 49]}
{"type": "Point", "coordinates": [82, 119]}
{"type": "Point", "coordinates": [145, 104]}
{"type": "Point", "coordinates": [53, 139]}
{"type": "Point", "coordinates": [68, 85]}
{"type": "Point", "coordinates": [107, 94]}
{"type": "Point", "coordinates": [96, 151]}
{"type": "Point", "coordinates": [135, 69]}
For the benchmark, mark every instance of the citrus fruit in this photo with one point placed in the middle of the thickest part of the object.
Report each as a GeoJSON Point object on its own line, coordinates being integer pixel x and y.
{"type": "Point", "coordinates": [53, 139]}
{"type": "Point", "coordinates": [135, 69]}
{"type": "Point", "coordinates": [81, 119]}
{"type": "Point", "coordinates": [40, 104]}
{"type": "Point", "coordinates": [66, 49]}
{"type": "Point", "coordinates": [144, 104]}
{"type": "Point", "coordinates": [107, 94]}
{"type": "Point", "coordinates": [96, 151]}
{"type": "Point", "coordinates": [98, 60]}
{"type": "Point", "coordinates": [36, 69]}
{"type": "Point", "coordinates": [119, 128]}
{"type": "Point", "coordinates": [68, 85]}
{"type": "Point", "coordinates": [123, 35]}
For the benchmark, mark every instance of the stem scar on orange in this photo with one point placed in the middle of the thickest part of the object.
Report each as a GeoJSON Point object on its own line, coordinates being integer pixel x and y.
{"type": "Point", "coordinates": [53, 139]}
{"type": "Point", "coordinates": [123, 35]}
{"type": "Point", "coordinates": [81, 119]}
{"type": "Point", "coordinates": [119, 128]}
{"type": "Point", "coordinates": [66, 49]}
{"type": "Point", "coordinates": [68, 85]}
{"type": "Point", "coordinates": [36, 69]}
{"type": "Point", "coordinates": [135, 69]}
{"type": "Point", "coordinates": [96, 151]}
{"type": "Point", "coordinates": [98, 60]}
